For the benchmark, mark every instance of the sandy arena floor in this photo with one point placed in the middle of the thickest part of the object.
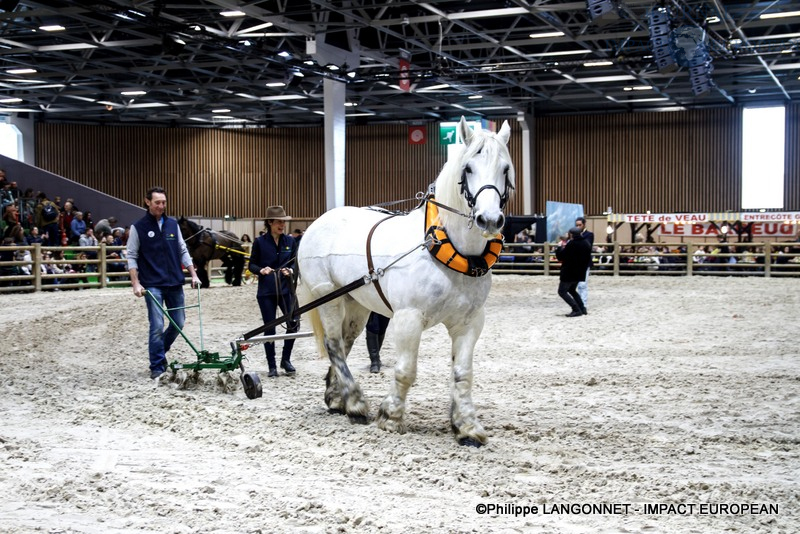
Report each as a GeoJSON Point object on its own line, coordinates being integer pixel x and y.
{"type": "Point", "coordinates": [673, 391]}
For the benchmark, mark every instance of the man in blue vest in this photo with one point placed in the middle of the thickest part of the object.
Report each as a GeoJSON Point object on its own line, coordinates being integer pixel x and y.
{"type": "Point", "coordinates": [156, 256]}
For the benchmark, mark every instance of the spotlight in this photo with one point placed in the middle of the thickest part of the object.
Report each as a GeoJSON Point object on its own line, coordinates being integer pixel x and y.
{"type": "Point", "coordinates": [172, 46]}
{"type": "Point", "coordinates": [724, 228]}
{"type": "Point", "coordinates": [610, 229]}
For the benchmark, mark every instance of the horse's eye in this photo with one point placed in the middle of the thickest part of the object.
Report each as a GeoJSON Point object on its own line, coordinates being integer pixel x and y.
{"type": "Point", "coordinates": [505, 171]}
{"type": "Point", "coordinates": [468, 169]}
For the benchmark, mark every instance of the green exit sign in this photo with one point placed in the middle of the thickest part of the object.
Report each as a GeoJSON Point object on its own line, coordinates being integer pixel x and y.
{"type": "Point", "coordinates": [447, 131]}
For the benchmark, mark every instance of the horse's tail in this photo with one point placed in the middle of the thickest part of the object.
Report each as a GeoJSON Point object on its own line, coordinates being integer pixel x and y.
{"type": "Point", "coordinates": [319, 333]}
{"type": "Point", "coordinates": [304, 297]}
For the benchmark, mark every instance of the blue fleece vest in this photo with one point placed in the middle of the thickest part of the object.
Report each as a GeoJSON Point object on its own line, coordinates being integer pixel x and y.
{"type": "Point", "coordinates": [159, 252]}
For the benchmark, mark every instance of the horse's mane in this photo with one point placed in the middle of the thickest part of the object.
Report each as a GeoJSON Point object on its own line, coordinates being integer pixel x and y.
{"type": "Point", "coordinates": [193, 226]}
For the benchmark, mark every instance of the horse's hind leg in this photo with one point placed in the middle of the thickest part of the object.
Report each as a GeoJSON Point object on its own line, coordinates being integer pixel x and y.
{"type": "Point", "coordinates": [407, 332]}
{"type": "Point", "coordinates": [463, 418]}
{"type": "Point", "coordinates": [238, 268]}
{"type": "Point", "coordinates": [343, 394]}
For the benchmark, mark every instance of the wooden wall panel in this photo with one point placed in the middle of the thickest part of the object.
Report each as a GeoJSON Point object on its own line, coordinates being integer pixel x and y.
{"type": "Point", "coordinates": [210, 173]}
{"type": "Point", "coordinates": [662, 162]}
{"type": "Point", "coordinates": [791, 190]}
{"type": "Point", "coordinates": [239, 172]}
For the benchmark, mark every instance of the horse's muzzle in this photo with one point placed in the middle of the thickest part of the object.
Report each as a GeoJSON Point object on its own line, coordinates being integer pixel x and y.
{"type": "Point", "coordinates": [490, 225]}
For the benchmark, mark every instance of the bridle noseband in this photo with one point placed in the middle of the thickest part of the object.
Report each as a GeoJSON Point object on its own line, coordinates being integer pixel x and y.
{"type": "Point", "coordinates": [472, 199]}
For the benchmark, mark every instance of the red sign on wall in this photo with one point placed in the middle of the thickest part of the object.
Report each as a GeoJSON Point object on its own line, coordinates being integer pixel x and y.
{"type": "Point", "coordinates": [405, 80]}
{"type": "Point", "coordinates": [417, 135]}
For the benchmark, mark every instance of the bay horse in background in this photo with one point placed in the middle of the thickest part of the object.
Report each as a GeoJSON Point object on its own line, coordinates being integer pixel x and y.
{"type": "Point", "coordinates": [205, 245]}
{"type": "Point", "coordinates": [429, 266]}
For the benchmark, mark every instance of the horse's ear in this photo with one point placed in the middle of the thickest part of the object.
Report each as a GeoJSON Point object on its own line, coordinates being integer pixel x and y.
{"type": "Point", "coordinates": [505, 132]}
{"type": "Point", "coordinates": [464, 131]}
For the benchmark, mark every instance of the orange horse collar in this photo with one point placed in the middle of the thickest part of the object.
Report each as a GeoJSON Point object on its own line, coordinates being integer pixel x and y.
{"type": "Point", "coordinates": [441, 248]}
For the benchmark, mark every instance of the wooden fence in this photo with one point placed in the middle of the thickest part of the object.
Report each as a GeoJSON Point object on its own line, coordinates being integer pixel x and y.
{"type": "Point", "coordinates": [30, 273]}
{"type": "Point", "coordinates": [668, 259]}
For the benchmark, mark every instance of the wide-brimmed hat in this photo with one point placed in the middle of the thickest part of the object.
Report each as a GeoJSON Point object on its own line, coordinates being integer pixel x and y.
{"type": "Point", "coordinates": [277, 212]}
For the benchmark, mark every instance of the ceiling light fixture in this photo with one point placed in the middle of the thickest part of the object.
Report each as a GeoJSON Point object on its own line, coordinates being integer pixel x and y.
{"type": "Point", "coordinates": [433, 88]}
{"type": "Point", "coordinates": [10, 100]}
{"type": "Point", "coordinates": [256, 28]}
{"type": "Point", "coordinates": [232, 13]}
{"type": "Point", "coordinates": [52, 28]}
{"type": "Point", "coordinates": [475, 97]}
{"type": "Point", "coordinates": [137, 92]}
{"type": "Point", "coordinates": [780, 15]}
{"type": "Point", "coordinates": [545, 34]}
{"type": "Point", "coordinates": [22, 71]}
{"type": "Point", "coordinates": [275, 84]}
{"type": "Point", "coordinates": [598, 63]}
{"type": "Point", "coordinates": [222, 110]}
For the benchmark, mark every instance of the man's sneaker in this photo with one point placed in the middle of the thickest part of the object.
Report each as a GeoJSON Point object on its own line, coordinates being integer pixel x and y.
{"type": "Point", "coordinates": [155, 373]}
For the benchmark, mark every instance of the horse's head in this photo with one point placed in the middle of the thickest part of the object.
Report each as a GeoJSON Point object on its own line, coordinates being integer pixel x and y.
{"type": "Point", "coordinates": [486, 176]}
{"type": "Point", "coordinates": [188, 228]}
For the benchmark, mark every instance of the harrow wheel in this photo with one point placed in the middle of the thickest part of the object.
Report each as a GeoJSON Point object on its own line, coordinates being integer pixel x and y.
{"type": "Point", "coordinates": [252, 385]}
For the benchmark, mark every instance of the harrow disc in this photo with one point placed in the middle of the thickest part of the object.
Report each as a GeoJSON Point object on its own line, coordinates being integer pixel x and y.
{"type": "Point", "coordinates": [252, 385]}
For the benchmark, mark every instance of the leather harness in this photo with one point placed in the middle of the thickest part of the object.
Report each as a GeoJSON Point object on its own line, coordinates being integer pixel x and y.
{"type": "Point", "coordinates": [440, 247]}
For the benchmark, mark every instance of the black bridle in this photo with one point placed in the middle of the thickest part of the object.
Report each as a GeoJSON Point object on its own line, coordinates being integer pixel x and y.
{"type": "Point", "coordinates": [471, 199]}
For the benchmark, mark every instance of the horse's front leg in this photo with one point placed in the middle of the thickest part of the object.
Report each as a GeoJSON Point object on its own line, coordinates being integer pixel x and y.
{"type": "Point", "coordinates": [407, 332]}
{"type": "Point", "coordinates": [463, 419]}
{"type": "Point", "coordinates": [200, 267]}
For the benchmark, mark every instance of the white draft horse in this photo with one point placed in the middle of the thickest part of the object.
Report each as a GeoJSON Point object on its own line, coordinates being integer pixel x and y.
{"type": "Point", "coordinates": [425, 270]}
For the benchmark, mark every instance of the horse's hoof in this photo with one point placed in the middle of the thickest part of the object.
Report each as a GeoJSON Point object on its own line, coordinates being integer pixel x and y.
{"type": "Point", "coordinates": [336, 411]}
{"type": "Point", "coordinates": [470, 442]}
{"type": "Point", "coordinates": [358, 419]}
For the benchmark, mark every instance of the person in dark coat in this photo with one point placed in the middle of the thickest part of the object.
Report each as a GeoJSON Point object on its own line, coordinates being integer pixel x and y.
{"type": "Point", "coordinates": [575, 257]}
{"type": "Point", "coordinates": [272, 259]}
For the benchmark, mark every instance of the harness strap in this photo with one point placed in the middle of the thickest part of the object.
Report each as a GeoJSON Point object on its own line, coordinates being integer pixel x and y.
{"type": "Point", "coordinates": [355, 284]}
{"type": "Point", "coordinates": [372, 267]}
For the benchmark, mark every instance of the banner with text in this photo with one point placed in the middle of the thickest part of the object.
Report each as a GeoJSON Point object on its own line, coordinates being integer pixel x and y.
{"type": "Point", "coordinates": [758, 229]}
{"type": "Point", "coordinates": [690, 218]}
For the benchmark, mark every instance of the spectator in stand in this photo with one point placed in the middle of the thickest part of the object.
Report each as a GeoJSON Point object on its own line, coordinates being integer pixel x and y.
{"type": "Point", "coordinates": [27, 206]}
{"type": "Point", "coordinates": [34, 236]}
{"type": "Point", "coordinates": [89, 240]}
{"type": "Point", "coordinates": [47, 215]}
{"type": "Point", "coordinates": [116, 237]}
{"type": "Point", "coordinates": [67, 216]}
{"type": "Point", "coordinates": [6, 197]}
{"type": "Point", "coordinates": [114, 260]}
{"type": "Point", "coordinates": [7, 254]}
{"type": "Point", "coordinates": [10, 217]}
{"type": "Point", "coordinates": [104, 227]}
{"type": "Point", "coordinates": [77, 228]}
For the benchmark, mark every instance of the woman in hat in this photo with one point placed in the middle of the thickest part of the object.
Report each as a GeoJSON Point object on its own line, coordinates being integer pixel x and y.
{"type": "Point", "coordinates": [272, 259]}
